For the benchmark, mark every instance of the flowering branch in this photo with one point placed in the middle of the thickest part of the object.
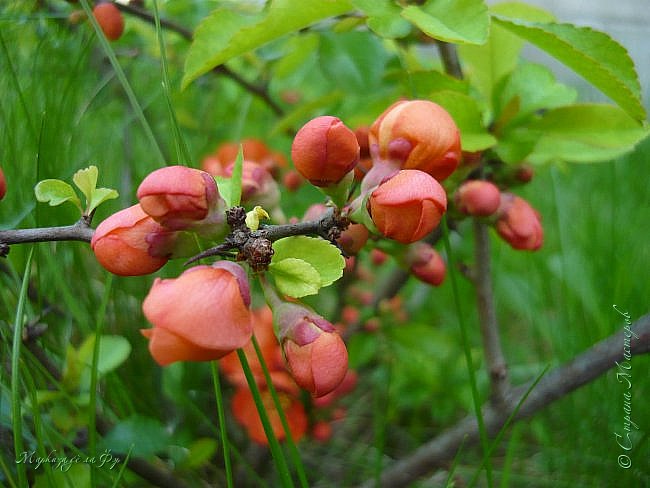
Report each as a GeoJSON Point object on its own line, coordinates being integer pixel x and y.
{"type": "Point", "coordinates": [561, 381]}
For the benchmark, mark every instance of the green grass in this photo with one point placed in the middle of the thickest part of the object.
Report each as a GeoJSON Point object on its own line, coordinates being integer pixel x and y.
{"type": "Point", "coordinates": [63, 108]}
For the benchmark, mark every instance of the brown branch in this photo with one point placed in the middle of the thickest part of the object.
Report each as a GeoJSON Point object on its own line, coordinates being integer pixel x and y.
{"type": "Point", "coordinates": [450, 60]}
{"type": "Point", "coordinates": [561, 381]}
{"type": "Point", "coordinates": [259, 91]}
{"type": "Point", "coordinates": [80, 231]}
{"type": "Point", "coordinates": [495, 362]}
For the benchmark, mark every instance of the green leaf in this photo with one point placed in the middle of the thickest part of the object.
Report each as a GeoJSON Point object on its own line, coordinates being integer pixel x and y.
{"type": "Point", "coordinates": [535, 88]}
{"type": "Point", "coordinates": [71, 475]}
{"type": "Point", "coordinates": [323, 256]}
{"type": "Point", "coordinates": [384, 18]}
{"type": "Point", "coordinates": [225, 34]}
{"type": "Point", "coordinates": [295, 277]}
{"type": "Point", "coordinates": [100, 195]}
{"type": "Point", "coordinates": [468, 118]}
{"type": "Point", "coordinates": [516, 144]}
{"type": "Point", "coordinates": [230, 188]}
{"type": "Point", "coordinates": [458, 21]}
{"type": "Point", "coordinates": [299, 49]}
{"type": "Point", "coordinates": [56, 192]}
{"type": "Point", "coordinates": [354, 60]}
{"type": "Point", "coordinates": [586, 133]}
{"type": "Point", "coordinates": [146, 435]}
{"type": "Point", "coordinates": [488, 64]}
{"type": "Point", "coordinates": [113, 351]}
{"type": "Point", "coordinates": [422, 83]}
{"type": "Point", "coordinates": [592, 54]}
{"type": "Point", "coordinates": [86, 181]}
{"type": "Point", "coordinates": [200, 452]}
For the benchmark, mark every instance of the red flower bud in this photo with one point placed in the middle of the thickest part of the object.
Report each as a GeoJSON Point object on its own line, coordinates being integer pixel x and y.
{"type": "Point", "coordinates": [426, 264]}
{"type": "Point", "coordinates": [315, 353]}
{"type": "Point", "coordinates": [478, 198]}
{"type": "Point", "coordinates": [110, 20]}
{"type": "Point", "coordinates": [417, 134]}
{"type": "Point", "coordinates": [3, 185]}
{"type": "Point", "coordinates": [525, 173]}
{"type": "Point", "coordinates": [292, 180]}
{"type": "Point", "coordinates": [407, 206]}
{"type": "Point", "coordinates": [378, 257]}
{"type": "Point", "coordinates": [353, 238]}
{"type": "Point", "coordinates": [200, 316]}
{"type": "Point", "coordinates": [325, 150]}
{"type": "Point", "coordinates": [179, 198]}
{"type": "Point", "coordinates": [519, 224]}
{"type": "Point", "coordinates": [131, 243]}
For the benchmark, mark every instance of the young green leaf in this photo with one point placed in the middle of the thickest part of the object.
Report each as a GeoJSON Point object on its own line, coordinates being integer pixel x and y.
{"type": "Point", "coordinates": [592, 54]}
{"type": "Point", "coordinates": [465, 112]}
{"type": "Point", "coordinates": [56, 192]}
{"type": "Point", "coordinates": [100, 195]}
{"type": "Point", "coordinates": [226, 34]}
{"type": "Point", "coordinates": [459, 21]}
{"type": "Point", "coordinates": [86, 181]}
{"type": "Point", "coordinates": [230, 188]}
{"type": "Point", "coordinates": [295, 277]}
{"type": "Point", "coordinates": [489, 63]}
{"type": "Point", "coordinates": [324, 257]}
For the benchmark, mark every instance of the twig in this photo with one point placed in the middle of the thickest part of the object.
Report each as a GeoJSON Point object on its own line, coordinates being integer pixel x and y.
{"type": "Point", "coordinates": [259, 91]}
{"type": "Point", "coordinates": [450, 60]}
{"type": "Point", "coordinates": [496, 365]}
{"type": "Point", "coordinates": [80, 231]}
{"type": "Point", "coordinates": [584, 368]}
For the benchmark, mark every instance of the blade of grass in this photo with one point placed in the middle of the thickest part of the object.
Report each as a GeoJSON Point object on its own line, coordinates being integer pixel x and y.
{"type": "Point", "coordinates": [503, 429]}
{"type": "Point", "coordinates": [122, 470]}
{"type": "Point", "coordinates": [16, 411]}
{"type": "Point", "coordinates": [182, 153]}
{"type": "Point", "coordinates": [94, 374]}
{"type": "Point", "coordinates": [293, 450]}
{"type": "Point", "coordinates": [222, 423]}
{"type": "Point", "coordinates": [454, 464]}
{"type": "Point", "coordinates": [510, 454]}
{"type": "Point", "coordinates": [38, 425]}
{"type": "Point", "coordinates": [467, 351]}
{"type": "Point", "coordinates": [126, 86]}
{"type": "Point", "coordinates": [276, 452]}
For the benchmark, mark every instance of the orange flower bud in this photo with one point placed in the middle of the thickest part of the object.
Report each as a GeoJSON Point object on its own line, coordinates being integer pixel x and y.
{"type": "Point", "coordinates": [315, 353]}
{"type": "Point", "coordinates": [519, 224]}
{"type": "Point", "coordinates": [353, 238]}
{"type": "Point", "coordinates": [426, 264]}
{"type": "Point", "coordinates": [292, 180]}
{"type": "Point", "coordinates": [131, 243]}
{"type": "Point", "coordinates": [417, 134]}
{"type": "Point", "coordinates": [478, 198]}
{"type": "Point", "coordinates": [325, 150]}
{"type": "Point", "coordinates": [245, 412]}
{"type": "Point", "coordinates": [407, 206]}
{"type": "Point", "coordinates": [200, 316]}
{"type": "Point", "coordinates": [321, 431]}
{"type": "Point", "coordinates": [3, 185]}
{"type": "Point", "coordinates": [109, 19]}
{"type": "Point", "coordinates": [179, 198]}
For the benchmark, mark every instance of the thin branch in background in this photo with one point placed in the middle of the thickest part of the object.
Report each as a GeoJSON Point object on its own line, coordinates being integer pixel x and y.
{"type": "Point", "coordinates": [556, 384]}
{"type": "Point", "coordinates": [260, 91]}
{"type": "Point", "coordinates": [495, 362]}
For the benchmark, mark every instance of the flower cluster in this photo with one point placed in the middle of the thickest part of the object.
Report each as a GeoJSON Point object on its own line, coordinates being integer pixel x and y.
{"type": "Point", "coordinates": [288, 392]}
{"type": "Point", "coordinates": [173, 202]}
